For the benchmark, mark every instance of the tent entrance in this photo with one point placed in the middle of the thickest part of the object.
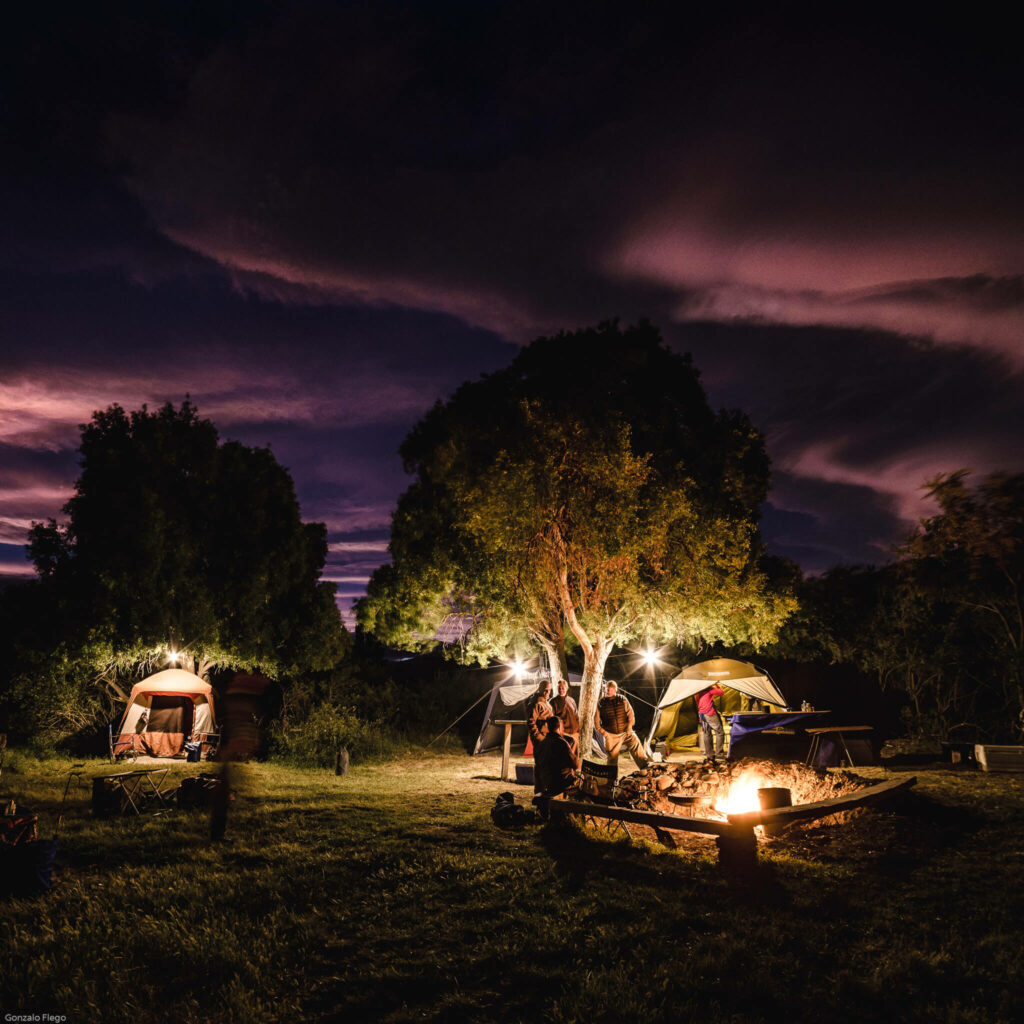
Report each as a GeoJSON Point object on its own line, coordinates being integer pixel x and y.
{"type": "Point", "coordinates": [168, 724]}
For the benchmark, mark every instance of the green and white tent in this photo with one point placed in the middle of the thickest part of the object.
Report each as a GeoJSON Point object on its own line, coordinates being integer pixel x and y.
{"type": "Point", "coordinates": [675, 718]}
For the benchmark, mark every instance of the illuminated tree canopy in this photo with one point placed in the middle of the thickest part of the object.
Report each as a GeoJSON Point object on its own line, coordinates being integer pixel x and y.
{"type": "Point", "coordinates": [174, 539]}
{"type": "Point", "coordinates": [587, 487]}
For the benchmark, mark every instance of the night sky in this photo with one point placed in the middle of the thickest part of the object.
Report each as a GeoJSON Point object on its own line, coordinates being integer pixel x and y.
{"type": "Point", "coordinates": [318, 218]}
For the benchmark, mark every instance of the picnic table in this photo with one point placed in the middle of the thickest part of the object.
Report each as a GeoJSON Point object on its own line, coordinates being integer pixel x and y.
{"type": "Point", "coordinates": [135, 789]}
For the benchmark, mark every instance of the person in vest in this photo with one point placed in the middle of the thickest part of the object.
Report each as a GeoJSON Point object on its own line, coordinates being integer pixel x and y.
{"type": "Point", "coordinates": [565, 707]}
{"type": "Point", "coordinates": [711, 722]}
{"type": "Point", "coordinates": [556, 763]}
{"type": "Point", "coordinates": [615, 721]}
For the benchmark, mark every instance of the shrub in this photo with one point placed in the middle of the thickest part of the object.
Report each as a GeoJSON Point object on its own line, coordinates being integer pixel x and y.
{"type": "Point", "coordinates": [314, 741]}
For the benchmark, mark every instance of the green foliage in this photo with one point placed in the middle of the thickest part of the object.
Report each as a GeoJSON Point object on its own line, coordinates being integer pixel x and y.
{"type": "Point", "coordinates": [313, 742]}
{"type": "Point", "coordinates": [944, 624]}
{"type": "Point", "coordinates": [174, 539]}
{"type": "Point", "coordinates": [587, 486]}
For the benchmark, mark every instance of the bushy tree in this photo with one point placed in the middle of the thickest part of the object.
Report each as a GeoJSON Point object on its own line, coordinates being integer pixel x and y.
{"type": "Point", "coordinates": [588, 487]}
{"type": "Point", "coordinates": [174, 540]}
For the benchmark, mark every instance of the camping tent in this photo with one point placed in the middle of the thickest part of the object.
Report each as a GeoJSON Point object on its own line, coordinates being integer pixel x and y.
{"type": "Point", "coordinates": [165, 710]}
{"type": "Point", "coordinates": [508, 701]}
{"type": "Point", "coordinates": [675, 718]}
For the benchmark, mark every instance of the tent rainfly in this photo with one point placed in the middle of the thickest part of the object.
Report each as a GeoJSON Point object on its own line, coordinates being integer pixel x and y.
{"type": "Point", "coordinates": [165, 710]}
{"type": "Point", "coordinates": [508, 701]}
{"type": "Point", "coordinates": [675, 718]}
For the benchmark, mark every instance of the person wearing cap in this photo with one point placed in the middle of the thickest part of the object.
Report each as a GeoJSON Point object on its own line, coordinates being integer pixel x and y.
{"type": "Point", "coordinates": [614, 721]}
{"type": "Point", "coordinates": [711, 722]}
{"type": "Point", "coordinates": [565, 707]}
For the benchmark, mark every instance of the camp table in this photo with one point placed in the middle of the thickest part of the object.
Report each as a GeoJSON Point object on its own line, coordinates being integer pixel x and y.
{"type": "Point", "coordinates": [137, 788]}
{"type": "Point", "coordinates": [839, 732]}
{"type": "Point", "coordinates": [506, 750]}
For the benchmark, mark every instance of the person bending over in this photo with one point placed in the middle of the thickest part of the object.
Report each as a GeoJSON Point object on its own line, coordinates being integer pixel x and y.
{"type": "Point", "coordinates": [711, 722]}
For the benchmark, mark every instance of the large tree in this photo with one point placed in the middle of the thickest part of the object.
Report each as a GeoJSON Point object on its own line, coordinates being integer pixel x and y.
{"type": "Point", "coordinates": [968, 561]}
{"type": "Point", "coordinates": [176, 541]}
{"type": "Point", "coordinates": [587, 487]}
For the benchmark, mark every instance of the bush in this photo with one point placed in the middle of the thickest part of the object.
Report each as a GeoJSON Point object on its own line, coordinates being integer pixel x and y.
{"type": "Point", "coordinates": [314, 742]}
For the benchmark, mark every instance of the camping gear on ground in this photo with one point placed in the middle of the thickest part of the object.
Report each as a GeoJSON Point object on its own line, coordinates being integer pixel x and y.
{"type": "Point", "coordinates": [26, 861]}
{"type": "Point", "coordinates": [506, 813]}
{"type": "Point", "coordinates": [193, 751]}
{"type": "Point", "coordinates": [27, 869]}
{"type": "Point", "coordinates": [675, 721]}
{"type": "Point", "coordinates": [196, 792]}
{"type": "Point", "coordinates": [524, 774]}
{"type": "Point", "coordinates": [165, 710]}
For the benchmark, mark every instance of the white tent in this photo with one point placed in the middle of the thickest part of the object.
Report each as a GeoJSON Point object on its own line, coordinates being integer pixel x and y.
{"type": "Point", "coordinates": [165, 710]}
{"type": "Point", "coordinates": [674, 720]}
{"type": "Point", "coordinates": [508, 702]}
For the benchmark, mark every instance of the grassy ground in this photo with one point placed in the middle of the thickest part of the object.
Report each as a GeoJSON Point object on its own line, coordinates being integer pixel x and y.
{"type": "Point", "coordinates": [388, 895]}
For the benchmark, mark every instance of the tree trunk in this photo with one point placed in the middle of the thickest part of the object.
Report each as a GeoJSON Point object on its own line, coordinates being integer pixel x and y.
{"type": "Point", "coordinates": [557, 665]}
{"type": "Point", "coordinates": [593, 676]}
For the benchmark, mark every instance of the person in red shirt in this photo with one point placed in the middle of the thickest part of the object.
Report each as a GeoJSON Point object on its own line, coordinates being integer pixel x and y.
{"type": "Point", "coordinates": [711, 722]}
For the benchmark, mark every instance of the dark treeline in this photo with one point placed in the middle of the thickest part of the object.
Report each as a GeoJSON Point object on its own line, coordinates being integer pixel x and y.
{"type": "Point", "coordinates": [942, 626]}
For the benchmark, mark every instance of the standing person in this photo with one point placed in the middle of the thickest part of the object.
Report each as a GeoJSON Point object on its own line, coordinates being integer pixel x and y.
{"type": "Point", "coordinates": [556, 762]}
{"type": "Point", "coordinates": [615, 721]}
{"type": "Point", "coordinates": [565, 707]}
{"type": "Point", "coordinates": [538, 707]}
{"type": "Point", "coordinates": [711, 722]}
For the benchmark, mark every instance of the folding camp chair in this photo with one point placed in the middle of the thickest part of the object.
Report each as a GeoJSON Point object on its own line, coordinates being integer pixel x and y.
{"type": "Point", "coordinates": [120, 748]}
{"type": "Point", "coordinates": [210, 743]}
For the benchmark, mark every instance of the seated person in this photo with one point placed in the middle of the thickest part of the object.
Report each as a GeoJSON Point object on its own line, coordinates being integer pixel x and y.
{"type": "Point", "coordinates": [555, 764]}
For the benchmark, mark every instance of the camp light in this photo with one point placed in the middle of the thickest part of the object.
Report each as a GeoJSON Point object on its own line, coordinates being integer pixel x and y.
{"type": "Point", "coordinates": [518, 668]}
{"type": "Point", "coordinates": [172, 656]}
{"type": "Point", "coordinates": [650, 657]}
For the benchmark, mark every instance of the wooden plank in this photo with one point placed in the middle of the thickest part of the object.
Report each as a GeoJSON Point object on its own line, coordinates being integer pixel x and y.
{"type": "Point", "coordinates": [822, 808]}
{"type": "Point", "coordinates": [839, 729]}
{"type": "Point", "coordinates": [506, 752]}
{"type": "Point", "coordinates": [654, 820]}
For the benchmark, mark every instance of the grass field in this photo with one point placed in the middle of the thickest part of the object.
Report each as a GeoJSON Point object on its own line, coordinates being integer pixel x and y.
{"type": "Point", "coordinates": [388, 895]}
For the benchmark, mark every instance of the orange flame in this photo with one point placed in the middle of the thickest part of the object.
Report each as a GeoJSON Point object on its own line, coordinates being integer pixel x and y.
{"type": "Point", "coordinates": [741, 796]}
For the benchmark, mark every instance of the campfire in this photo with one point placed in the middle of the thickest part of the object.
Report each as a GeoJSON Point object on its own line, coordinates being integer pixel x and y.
{"type": "Point", "coordinates": [705, 790]}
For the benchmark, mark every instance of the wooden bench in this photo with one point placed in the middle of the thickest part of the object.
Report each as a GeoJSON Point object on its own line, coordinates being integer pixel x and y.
{"type": "Point", "coordinates": [737, 845]}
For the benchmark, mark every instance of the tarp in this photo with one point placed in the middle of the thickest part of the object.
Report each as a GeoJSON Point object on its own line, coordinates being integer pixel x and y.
{"type": "Point", "coordinates": [675, 718]}
{"type": "Point", "coordinates": [165, 710]}
{"type": "Point", "coordinates": [508, 702]}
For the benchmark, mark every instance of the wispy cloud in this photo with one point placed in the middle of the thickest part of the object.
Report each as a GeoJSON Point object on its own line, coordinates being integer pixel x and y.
{"type": "Point", "coordinates": [358, 545]}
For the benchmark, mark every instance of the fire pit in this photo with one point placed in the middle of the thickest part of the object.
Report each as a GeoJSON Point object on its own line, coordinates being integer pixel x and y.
{"type": "Point", "coordinates": [672, 802]}
{"type": "Point", "coordinates": [705, 790]}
